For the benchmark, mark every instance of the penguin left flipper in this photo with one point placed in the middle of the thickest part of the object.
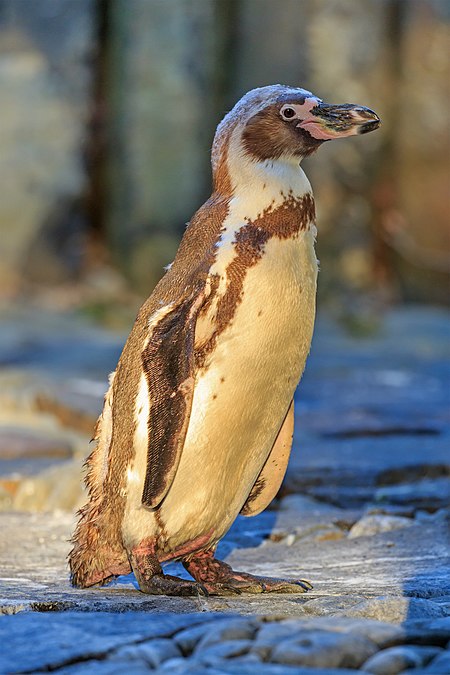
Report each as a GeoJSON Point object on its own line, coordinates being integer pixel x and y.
{"type": "Point", "coordinates": [271, 476]}
{"type": "Point", "coordinates": [168, 364]}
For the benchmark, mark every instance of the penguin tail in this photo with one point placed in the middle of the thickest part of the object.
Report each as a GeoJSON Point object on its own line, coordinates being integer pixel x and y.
{"type": "Point", "coordinates": [97, 555]}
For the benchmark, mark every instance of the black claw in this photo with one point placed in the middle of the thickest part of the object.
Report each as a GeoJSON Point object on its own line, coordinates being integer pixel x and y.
{"type": "Point", "coordinates": [235, 590]}
{"type": "Point", "coordinates": [202, 590]}
{"type": "Point", "coordinates": [229, 587]}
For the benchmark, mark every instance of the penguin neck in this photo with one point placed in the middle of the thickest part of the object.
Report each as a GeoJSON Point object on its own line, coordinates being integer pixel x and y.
{"type": "Point", "coordinates": [258, 185]}
{"type": "Point", "coordinates": [255, 192]}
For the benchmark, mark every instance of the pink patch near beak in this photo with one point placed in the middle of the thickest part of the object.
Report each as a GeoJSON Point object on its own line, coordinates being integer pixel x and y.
{"type": "Point", "coordinates": [317, 129]}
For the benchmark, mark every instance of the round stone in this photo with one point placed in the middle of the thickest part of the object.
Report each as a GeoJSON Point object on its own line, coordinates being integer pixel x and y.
{"type": "Point", "coordinates": [397, 659]}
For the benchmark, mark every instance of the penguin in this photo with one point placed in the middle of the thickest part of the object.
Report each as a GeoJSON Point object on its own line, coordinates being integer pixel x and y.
{"type": "Point", "coordinates": [198, 420]}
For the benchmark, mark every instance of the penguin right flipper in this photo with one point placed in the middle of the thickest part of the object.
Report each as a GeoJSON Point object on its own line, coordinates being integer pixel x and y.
{"type": "Point", "coordinates": [168, 364]}
{"type": "Point", "coordinates": [271, 476]}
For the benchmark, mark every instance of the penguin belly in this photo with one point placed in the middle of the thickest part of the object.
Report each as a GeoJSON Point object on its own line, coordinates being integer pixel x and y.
{"type": "Point", "coordinates": [240, 399]}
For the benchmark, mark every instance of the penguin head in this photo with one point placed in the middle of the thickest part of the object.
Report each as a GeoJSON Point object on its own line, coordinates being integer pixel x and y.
{"type": "Point", "coordinates": [285, 123]}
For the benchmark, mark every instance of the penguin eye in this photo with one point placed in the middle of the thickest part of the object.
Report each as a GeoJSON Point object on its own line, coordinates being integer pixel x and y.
{"type": "Point", "coordinates": [288, 113]}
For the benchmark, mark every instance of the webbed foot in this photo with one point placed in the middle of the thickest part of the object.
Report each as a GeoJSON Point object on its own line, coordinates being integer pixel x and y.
{"type": "Point", "coordinates": [165, 584]}
{"type": "Point", "coordinates": [219, 578]}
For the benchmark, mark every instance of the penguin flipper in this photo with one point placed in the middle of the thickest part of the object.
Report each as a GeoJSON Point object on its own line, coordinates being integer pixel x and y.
{"type": "Point", "coordinates": [271, 476]}
{"type": "Point", "coordinates": [168, 364]}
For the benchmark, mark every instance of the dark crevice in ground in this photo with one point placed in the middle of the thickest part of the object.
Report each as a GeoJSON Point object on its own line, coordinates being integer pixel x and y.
{"type": "Point", "coordinates": [57, 606]}
{"type": "Point", "coordinates": [411, 474]}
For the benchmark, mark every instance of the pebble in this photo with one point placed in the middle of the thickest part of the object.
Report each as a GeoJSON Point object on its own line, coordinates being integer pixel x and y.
{"type": "Point", "coordinates": [152, 653]}
{"type": "Point", "coordinates": [323, 649]}
{"type": "Point", "coordinates": [228, 629]}
{"type": "Point", "coordinates": [397, 659]}
{"type": "Point", "coordinates": [373, 524]}
{"type": "Point", "coordinates": [175, 665]}
{"type": "Point", "coordinates": [270, 634]}
{"type": "Point", "coordinates": [210, 655]}
{"type": "Point", "coordinates": [188, 638]}
{"type": "Point", "coordinates": [441, 664]}
{"type": "Point", "coordinates": [381, 633]}
{"type": "Point", "coordinates": [436, 632]}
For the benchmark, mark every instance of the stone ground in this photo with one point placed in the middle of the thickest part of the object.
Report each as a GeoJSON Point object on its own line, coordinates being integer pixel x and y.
{"type": "Point", "coordinates": [363, 513]}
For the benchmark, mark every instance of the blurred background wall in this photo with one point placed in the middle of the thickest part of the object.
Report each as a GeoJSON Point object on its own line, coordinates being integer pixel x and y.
{"type": "Point", "coordinates": [108, 109]}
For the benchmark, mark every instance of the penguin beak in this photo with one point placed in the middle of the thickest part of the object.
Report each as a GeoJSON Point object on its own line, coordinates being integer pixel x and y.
{"type": "Point", "coordinates": [325, 122]}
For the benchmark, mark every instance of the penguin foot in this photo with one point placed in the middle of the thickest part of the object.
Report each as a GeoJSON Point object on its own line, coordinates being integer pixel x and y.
{"type": "Point", "coordinates": [165, 584]}
{"type": "Point", "coordinates": [219, 578]}
{"type": "Point", "coordinates": [152, 580]}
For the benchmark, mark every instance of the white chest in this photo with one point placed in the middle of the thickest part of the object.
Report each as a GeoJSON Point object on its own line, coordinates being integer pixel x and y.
{"type": "Point", "coordinates": [269, 336]}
